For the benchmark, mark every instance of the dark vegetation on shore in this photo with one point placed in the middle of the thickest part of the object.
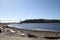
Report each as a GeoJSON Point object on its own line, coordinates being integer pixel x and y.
{"type": "Point", "coordinates": [40, 21]}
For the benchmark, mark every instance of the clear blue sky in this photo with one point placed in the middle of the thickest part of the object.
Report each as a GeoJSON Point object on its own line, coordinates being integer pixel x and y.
{"type": "Point", "coordinates": [30, 9]}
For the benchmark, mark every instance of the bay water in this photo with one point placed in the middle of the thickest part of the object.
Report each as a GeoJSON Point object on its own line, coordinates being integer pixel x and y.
{"type": "Point", "coordinates": [38, 26]}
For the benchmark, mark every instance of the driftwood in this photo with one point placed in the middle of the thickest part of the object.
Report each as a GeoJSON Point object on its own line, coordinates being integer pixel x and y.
{"type": "Point", "coordinates": [52, 37]}
{"type": "Point", "coordinates": [31, 35]}
{"type": "Point", "coordinates": [22, 33]}
{"type": "Point", "coordinates": [9, 31]}
{"type": "Point", "coordinates": [0, 31]}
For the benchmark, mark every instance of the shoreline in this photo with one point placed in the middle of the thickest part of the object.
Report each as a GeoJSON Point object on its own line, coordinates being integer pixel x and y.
{"type": "Point", "coordinates": [25, 34]}
{"type": "Point", "coordinates": [35, 30]}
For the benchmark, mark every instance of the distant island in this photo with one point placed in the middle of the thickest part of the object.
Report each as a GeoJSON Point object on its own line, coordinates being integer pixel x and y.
{"type": "Point", "coordinates": [40, 21]}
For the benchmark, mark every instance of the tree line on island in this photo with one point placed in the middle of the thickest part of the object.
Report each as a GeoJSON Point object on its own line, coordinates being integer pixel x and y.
{"type": "Point", "coordinates": [40, 21]}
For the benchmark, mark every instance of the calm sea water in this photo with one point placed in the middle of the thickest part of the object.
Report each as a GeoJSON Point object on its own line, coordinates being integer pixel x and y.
{"type": "Point", "coordinates": [39, 26]}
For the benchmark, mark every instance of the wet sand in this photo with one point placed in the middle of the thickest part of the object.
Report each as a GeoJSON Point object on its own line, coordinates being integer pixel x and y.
{"type": "Point", "coordinates": [23, 34]}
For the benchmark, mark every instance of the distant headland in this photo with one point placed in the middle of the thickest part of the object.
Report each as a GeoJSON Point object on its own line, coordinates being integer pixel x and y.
{"type": "Point", "coordinates": [41, 21]}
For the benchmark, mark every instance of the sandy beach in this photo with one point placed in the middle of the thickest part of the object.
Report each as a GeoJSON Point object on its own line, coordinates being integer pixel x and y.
{"type": "Point", "coordinates": [11, 33]}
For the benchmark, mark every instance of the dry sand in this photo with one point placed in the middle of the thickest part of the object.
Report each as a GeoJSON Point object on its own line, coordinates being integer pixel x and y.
{"type": "Point", "coordinates": [34, 35]}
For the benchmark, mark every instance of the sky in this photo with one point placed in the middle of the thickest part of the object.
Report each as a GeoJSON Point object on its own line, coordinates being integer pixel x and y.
{"type": "Point", "coordinates": [29, 9]}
